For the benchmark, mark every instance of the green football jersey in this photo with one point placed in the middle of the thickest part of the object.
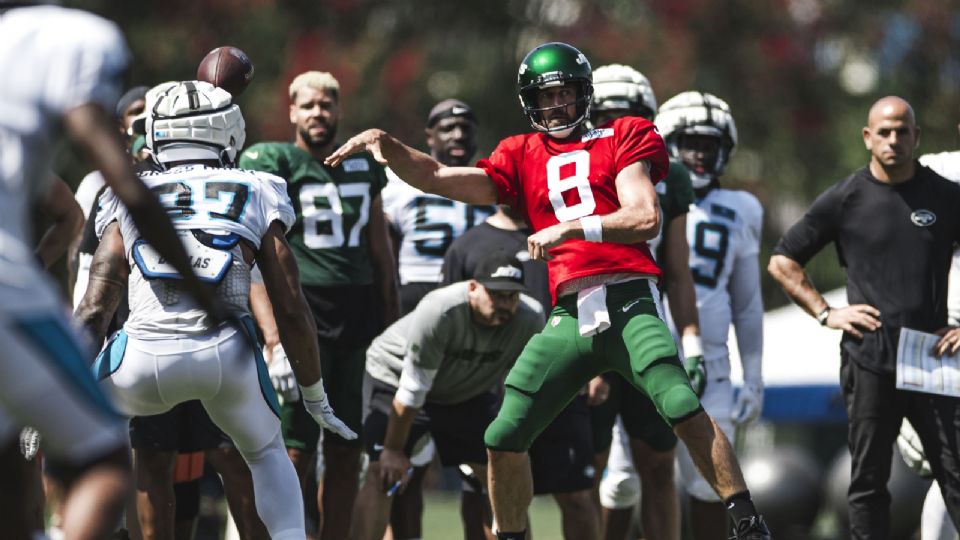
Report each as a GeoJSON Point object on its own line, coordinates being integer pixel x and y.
{"type": "Point", "coordinates": [675, 192]}
{"type": "Point", "coordinates": [329, 238]}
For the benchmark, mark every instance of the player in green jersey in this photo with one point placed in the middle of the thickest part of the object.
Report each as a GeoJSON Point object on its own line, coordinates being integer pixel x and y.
{"type": "Point", "coordinates": [346, 263]}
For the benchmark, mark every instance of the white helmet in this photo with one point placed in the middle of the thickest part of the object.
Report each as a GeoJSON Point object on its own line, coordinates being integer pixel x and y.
{"type": "Point", "coordinates": [193, 121]}
{"type": "Point", "coordinates": [620, 87]}
{"type": "Point", "coordinates": [698, 113]}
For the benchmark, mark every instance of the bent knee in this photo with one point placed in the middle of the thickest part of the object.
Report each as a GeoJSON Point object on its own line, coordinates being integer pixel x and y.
{"type": "Point", "coordinates": [506, 436]}
{"type": "Point", "coordinates": [678, 403]}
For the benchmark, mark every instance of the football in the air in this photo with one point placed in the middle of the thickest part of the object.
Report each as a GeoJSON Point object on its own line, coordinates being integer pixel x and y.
{"type": "Point", "coordinates": [228, 68]}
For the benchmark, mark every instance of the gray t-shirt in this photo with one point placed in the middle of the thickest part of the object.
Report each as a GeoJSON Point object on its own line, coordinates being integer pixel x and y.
{"type": "Point", "coordinates": [438, 353]}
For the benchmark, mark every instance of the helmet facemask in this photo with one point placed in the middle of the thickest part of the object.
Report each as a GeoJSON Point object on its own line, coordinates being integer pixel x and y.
{"type": "Point", "coordinates": [708, 141]}
{"type": "Point", "coordinates": [538, 115]}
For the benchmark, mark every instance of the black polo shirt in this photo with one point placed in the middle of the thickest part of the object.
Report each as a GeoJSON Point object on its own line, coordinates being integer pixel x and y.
{"type": "Point", "coordinates": [895, 244]}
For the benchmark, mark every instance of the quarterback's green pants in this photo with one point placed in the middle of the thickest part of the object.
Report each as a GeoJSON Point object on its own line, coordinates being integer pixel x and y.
{"type": "Point", "coordinates": [558, 362]}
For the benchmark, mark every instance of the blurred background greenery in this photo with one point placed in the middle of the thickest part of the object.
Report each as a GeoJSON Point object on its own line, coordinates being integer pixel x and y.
{"type": "Point", "coordinates": [799, 74]}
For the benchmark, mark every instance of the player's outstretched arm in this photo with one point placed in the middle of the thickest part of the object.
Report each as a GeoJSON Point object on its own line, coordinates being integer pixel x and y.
{"type": "Point", "coordinates": [468, 184]}
{"type": "Point", "coordinates": [89, 126]}
{"type": "Point", "coordinates": [108, 278]}
{"type": "Point", "coordinates": [60, 206]}
{"type": "Point", "coordinates": [298, 331]}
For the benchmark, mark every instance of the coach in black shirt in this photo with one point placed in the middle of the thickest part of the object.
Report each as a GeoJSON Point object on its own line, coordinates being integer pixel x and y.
{"type": "Point", "coordinates": [894, 223]}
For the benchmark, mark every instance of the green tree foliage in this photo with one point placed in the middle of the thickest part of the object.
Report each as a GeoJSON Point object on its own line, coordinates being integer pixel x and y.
{"type": "Point", "coordinates": [798, 74]}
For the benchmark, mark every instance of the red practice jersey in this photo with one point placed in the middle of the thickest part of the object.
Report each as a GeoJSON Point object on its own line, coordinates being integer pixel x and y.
{"type": "Point", "coordinates": [552, 181]}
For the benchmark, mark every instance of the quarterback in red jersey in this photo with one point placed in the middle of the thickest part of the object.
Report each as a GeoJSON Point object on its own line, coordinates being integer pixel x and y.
{"type": "Point", "coordinates": [565, 180]}
{"type": "Point", "coordinates": [590, 198]}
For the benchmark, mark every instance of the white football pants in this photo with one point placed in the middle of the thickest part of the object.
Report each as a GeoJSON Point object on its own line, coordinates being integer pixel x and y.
{"type": "Point", "coordinates": [220, 369]}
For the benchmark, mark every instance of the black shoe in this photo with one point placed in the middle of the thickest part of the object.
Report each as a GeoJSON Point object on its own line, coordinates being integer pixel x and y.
{"type": "Point", "coordinates": [751, 528]}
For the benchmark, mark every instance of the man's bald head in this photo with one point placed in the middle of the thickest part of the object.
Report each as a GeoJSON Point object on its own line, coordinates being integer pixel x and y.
{"type": "Point", "coordinates": [892, 107]}
{"type": "Point", "coordinates": [891, 136]}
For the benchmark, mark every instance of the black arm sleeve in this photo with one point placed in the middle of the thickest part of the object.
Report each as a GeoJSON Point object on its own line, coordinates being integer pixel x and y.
{"type": "Point", "coordinates": [816, 229]}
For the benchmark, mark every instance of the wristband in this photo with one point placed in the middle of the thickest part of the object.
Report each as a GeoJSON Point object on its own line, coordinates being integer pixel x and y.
{"type": "Point", "coordinates": [314, 392]}
{"type": "Point", "coordinates": [592, 228]}
{"type": "Point", "coordinates": [692, 346]}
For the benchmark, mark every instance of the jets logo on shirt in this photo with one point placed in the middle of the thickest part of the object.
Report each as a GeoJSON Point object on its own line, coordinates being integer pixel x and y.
{"type": "Point", "coordinates": [923, 218]}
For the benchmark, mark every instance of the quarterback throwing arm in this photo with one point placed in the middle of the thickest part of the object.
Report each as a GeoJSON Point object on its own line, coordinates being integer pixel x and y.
{"type": "Point", "coordinates": [636, 220]}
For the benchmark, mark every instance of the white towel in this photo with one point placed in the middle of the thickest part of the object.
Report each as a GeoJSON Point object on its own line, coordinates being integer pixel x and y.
{"type": "Point", "coordinates": [592, 310]}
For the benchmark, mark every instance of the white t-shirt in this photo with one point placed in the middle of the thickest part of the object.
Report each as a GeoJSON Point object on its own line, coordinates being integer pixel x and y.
{"type": "Point", "coordinates": [213, 209]}
{"type": "Point", "coordinates": [723, 230]}
{"type": "Point", "coordinates": [53, 60]}
{"type": "Point", "coordinates": [427, 225]}
{"type": "Point", "coordinates": [947, 165]}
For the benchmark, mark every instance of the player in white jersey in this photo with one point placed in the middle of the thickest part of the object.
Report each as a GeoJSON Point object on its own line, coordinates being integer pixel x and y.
{"type": "Point", "coordinates": [61, 74]}
{"type": "Point", "coordinates": [170, 352]}
{"type": "Point", "coordinates": [935, 522]}
{"type": "Point", "coordinates": [424, 225]}
{"type": "Point", "coordinates": [723, 230]}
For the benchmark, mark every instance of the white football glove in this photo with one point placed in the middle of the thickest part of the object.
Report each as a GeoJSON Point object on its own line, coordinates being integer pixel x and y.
{"type": "Point", "coordinates": [281, 374]}
{"type": "Point", "coordinates": [749, 403]}
{"type": "Point", "coordinates": [315, 400]}
{"type": "Point", "coordinates": [29, 443]}
{"type": "Point", "coordinates": [912, 450]}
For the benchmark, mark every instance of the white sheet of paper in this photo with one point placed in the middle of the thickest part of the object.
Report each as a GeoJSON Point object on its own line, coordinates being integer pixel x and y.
{"type": "Point", "coordinates": [920, 371]}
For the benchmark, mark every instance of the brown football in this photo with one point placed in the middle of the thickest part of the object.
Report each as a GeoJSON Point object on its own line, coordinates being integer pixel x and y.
{"type": "Point", "coordinates": [226, 67]}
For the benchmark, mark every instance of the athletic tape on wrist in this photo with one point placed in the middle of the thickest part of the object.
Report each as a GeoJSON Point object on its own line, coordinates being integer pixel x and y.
{"type": "Point", "coordinates": [592, 228]}
{"type": "Point", "coordinates": [314, 392]}
{"type": "Point", "coordinates": [692, 346]}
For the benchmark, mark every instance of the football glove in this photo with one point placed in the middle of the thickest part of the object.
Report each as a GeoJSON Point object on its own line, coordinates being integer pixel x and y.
{"type": "Point", "coordinates": [281, 375]}
{"type": "Point", "coordinates": [315, 400]}
{"type": "Point", "coordinates": [696, 369]}
{"type": "Point", "coordinates": [29, 443]}
{"type": "Point", "coordinates": [912, 450]}
{"type": "Point", "coordinates": [749, 403]}
{"type": "Point", "coordinates": [694, 364]}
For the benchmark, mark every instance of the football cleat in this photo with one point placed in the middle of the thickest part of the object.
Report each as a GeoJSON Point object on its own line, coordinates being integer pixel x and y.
{"type": "Point", "coordinates": [751, 528]}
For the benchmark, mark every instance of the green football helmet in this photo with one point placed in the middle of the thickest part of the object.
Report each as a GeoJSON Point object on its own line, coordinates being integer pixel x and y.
{"type": "Point", "coordinates": [554, 64]}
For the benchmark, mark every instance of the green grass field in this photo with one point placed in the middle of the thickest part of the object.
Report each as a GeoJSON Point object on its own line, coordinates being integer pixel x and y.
{"type": "Point", "coordinates": [442, 517]}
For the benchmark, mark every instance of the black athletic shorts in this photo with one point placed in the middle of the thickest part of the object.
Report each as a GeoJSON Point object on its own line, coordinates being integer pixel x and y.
{"type": "Point", "coordinates": [411, 293]}
{"type": "Point", "coordinates": [185, 428]}
{"type": "Point", "coordinates": [561, 457]}
{"type": "Point", "coordinates": [457, 429]}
